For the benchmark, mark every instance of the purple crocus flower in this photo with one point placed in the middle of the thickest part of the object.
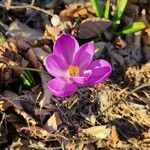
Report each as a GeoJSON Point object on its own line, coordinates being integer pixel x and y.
{"type": "Point", "coordinates": [72, 66]}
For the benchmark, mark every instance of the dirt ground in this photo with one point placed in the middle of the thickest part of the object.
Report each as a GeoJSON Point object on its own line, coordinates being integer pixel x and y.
{"type": "Point", "coordinates": [108, 116]}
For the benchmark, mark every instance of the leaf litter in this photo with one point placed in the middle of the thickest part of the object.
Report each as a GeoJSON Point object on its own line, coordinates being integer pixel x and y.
{"type": "Point", "coordinates": [111, 115]}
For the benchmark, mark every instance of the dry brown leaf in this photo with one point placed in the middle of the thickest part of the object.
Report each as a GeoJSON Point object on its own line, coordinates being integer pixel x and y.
{"type": "Point", "coordinates": [147, 31]}
{"type": "Point", "coordinates": [114, 139]}
{"type": "Point", "coordinates": [92, 27]}
{"type": "Point", "coordinates": [40, 53]}
{"type": "Point", "coordinates": [31, 56]}
{"type": "Point", "coordinates": [53, 4]}
{"type": "Point", "coordinates": [8, 4]}
{"type": "Point", "coordinates": [22, 31]}
{"type": "Point", "coordinates": [53, 122]}
{"type": "Point", "coordinates": [47, 95]}
{"type": "Point", "coordinates": [136, 52]}
{"type": "Point", "coordinates": [146, 53]}
{"type": "Point", "coordinates": [120, 43]}
{"type": "Point", "coordinates": [30, 121]}
{"type": "Point", "coordinates": [90, 118]}
{"type": "Point", "coordinates": [77, 10]}
{"type": "Point", "coordinates": [50, 31]}
{"type": "Point", "coordinates": [89, 147]}
{"type": "Point", "coordinates": [72, 145]}
{"type": "Point", "coordinates": [137, 76]}
{"type": "Point", "coordinates": [36, 131]}
{"type": "Point", "coordinates": [12, 98]}
{"type": "Point", "coordinates": [100, 132]}
{"type": "Point", "coordinates": [9, 57]}
{"type": "Point", "coordinates": [73, 1]}
{"type": "Point", "coordinates": [20, 44]}
{"type": "Point", "coordinates": [136, 1]}
{"type": "Point", "coordinates": [17, 122]}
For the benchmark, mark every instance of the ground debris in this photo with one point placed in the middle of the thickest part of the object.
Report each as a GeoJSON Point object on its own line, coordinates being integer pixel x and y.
{"type": "Point", "coordinates": [111, 115]}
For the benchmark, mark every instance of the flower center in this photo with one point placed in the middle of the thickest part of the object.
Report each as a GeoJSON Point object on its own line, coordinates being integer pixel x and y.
{"type": "Point", "coordinates": [73, 70]}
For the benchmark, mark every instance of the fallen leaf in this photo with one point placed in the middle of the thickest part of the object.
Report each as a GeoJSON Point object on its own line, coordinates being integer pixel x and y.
{"type": "Point", "coordinates": [22, 31]}
{"type": "Point", "coordinates": [87, 31]}
{"type": "Point", "coordinates": [8, 4]}
{"type": "Point", "coordinates": [31, 56]}
{"type": "Point", "coordinates": [146, 53]}
{"type": "Point", "coordinates": [53, 122]}
{"type": "Point", "coordinates": [12, 98]}
{"type": "Point", "coordinates": [120, 43]}
{"type": "Point", "coordinates": [36, 131]}
{"type": "Point", "coordinates": [100, 132]}
{"type": "Point", "coordinates": [90, 118]}
{"type": "Point", "coordinates": [40, 53]}
{"type": "Point", "coordinates": [114, 139]}
{"type": "Point", "coordinates": [82, 10]}
{"type": "Point", "coordinates": [52, 4]}
{"type": "Point", "coordinates": [73, 1]}
{"type": "Point", "coordinates": [89, 147]}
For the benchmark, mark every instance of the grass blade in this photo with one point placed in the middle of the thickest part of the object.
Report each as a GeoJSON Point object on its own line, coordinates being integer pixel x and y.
{"type": "Point", "coordinates": [2, 39]}
{"type": "Point", "coordinates": [107, 9]}
{"type": "Point", "coordinates": [121, 4]}
{"type": "Point", "coordinates": [119, 9]}
{"type": "Point", "coordinates": [97, 7]}
{"type": "Point", "coordinates": [133, 27]}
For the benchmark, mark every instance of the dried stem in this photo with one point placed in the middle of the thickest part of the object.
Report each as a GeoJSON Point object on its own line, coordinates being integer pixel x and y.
{"type": "Point", "coordinates": [48, 12]}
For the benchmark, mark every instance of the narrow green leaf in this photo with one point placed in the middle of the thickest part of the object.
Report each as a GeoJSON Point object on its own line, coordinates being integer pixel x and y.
{"type": "Point", "coordinates": [133, 27]}
{"type": "Point", "coordinates": [29, 77]}
{"type": "Point", "coordinates": [121, 4]}
{"type": "Point", "coordinates": [107, 9]}
{"type": "Point", "coordinates": [30, 69]}
{"type": "Point", "coordinates": [25, 81]}
{"type": "Point", "coordinates": [2, 39]}
{"type": "Point", "coordinates": [114, 26]}
{"type": "Point", "coordinates": [96, 5]}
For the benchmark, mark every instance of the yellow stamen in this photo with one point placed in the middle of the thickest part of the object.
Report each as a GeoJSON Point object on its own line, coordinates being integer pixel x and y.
{"type": "Point", "coordinates": [73, 70]}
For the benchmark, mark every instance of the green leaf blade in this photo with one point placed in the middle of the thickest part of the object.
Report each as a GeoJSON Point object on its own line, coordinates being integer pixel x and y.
{"type": "Point", "coordinates": [97, 8]}
{"type": "Point", "coordinates": [133, 27]}
{"type": "Point", "coordinates": [107, 9]}
{"type": "Point", "coordinates": [119, 9]}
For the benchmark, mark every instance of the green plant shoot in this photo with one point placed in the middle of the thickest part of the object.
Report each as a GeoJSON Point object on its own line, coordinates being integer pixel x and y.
{"type": "Point", "coordinates": [107, 9]}
{"type": "Point", "coordinates": [133, 27]}
{"type": "Point", "coordinates": [27, 79]}
{"type": "Point", "coordinates": [121, 4]}
{"type": "Point", "coordinates": [2, 39]}
{"type": "Point", "coordinates": [97, 7]}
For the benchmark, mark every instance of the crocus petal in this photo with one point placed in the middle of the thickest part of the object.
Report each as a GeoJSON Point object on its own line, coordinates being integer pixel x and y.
{"type": "Point", "coordinates": [66, 45]}
{"type": "Point", "coordinates": [101, 70]}
{"type": "Point", "coordinates": [61, 87]}
{"type": "Point", "coordinates": [84, 56]}
{"type": "Point", "coordinates": [82, 78]}
{"type": "Point", "coordinates": [56, 65]}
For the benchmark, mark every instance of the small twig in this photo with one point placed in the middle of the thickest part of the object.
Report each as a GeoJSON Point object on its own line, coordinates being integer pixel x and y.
{"type": "Point", "coordinates": [8, 4]}
{"type": "Point", "coordinates": [32, 2]}
{"type": "Point", "coordinates": [48, 12]}
{"type": "Point", "coordinates": [4, 26]}
{"type": "Point", "coordinates": [27, 68]}
{"type": "Point", "coordinates": [139, 87]}
{"type": "Point", "coordinates": [129, 93]}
